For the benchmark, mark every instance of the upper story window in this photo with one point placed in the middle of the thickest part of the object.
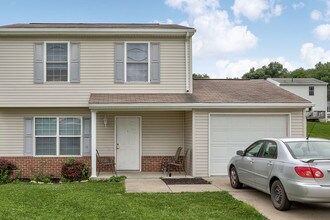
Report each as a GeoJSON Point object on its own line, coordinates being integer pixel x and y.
{"type": "Point", "coordinates": [137, 62]}
{"type": "Point", "coordinates": [57, 62]}
{"type": "Point", "coordinates": [311, 91]}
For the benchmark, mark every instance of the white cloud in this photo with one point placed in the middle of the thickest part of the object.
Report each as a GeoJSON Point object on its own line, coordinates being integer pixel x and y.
{"type": "Point", "coordinates": [322, 31]}
{"type": "Point", "coordinates": [256, 9]}
{"type": "Point", "coordinates": [168, 21]}
{"type": "Point", "coordinates": [216, 34]}
{"type": "Point", "coordinates": [316, 15]}
{"type": "Point", "coordinates": [194, 7]}
{"type": "Point", "coordinates": [298, 5]}
{"type": "Point", "coordinates": [238, 68]}
{"type": "Point", "coordinates": [277, 10]}
{"type": "Point", "coordinates": [311, 54]}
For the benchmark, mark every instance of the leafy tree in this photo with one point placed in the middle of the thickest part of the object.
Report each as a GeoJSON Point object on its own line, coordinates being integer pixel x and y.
{"type": "Point", "coordinates": [200, 76]}
{"type": "Point", "coordinates": [273, 70]}
{"type": "Point", "coordinates": [276, 70]}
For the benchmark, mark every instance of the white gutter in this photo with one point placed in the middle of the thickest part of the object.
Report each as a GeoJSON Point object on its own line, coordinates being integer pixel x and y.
{"type": "Point", "coordinates": [198, 105]}
{"type": "Point", "coordinates": [186, 56]}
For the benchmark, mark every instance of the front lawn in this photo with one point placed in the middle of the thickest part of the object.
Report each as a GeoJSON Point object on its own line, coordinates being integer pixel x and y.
{"type": "Point", "coordinates": [320, 130]}
{"type": "Point", "coordinates": [104, 200]}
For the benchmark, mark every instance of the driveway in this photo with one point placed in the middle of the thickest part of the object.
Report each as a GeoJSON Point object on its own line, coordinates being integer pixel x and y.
{"type": "Point", "coordinates": [263, 204]}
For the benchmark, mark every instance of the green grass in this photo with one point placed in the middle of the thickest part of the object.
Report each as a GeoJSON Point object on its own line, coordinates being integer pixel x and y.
{"type": "Point", "coordinates": [104, 200]}
{"type": "Point", "coordinates": [320, 130]}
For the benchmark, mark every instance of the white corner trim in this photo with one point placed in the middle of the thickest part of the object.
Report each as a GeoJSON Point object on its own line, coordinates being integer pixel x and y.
{"type": "Point", "coordinates": [93, 118]}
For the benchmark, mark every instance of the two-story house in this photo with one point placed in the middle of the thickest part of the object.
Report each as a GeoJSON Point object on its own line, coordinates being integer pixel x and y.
{"type": "Point", "coordinates": [126, 91]}
{"type": "Point", "coordinates": [311, 89]}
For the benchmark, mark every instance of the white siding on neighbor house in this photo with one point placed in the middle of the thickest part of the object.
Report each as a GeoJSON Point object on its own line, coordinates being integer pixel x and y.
{"type": "Point", "coordinates": [201, 132]}
{"type": "Point", "coordinates": [12, 125]}
{"type": "Point", "coordinates": [320, 94]}
{"type": "Point", "coordinates": [188, 140]}
{"type": "Point", "coordinates": [17, 88]}
{"type": "Point", "coordinates": [162, 132]}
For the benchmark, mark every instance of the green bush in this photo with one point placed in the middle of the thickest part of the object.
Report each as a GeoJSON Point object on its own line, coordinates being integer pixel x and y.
{"type": "Point", "coordinates": [6, 170]}
{"type": "Point", "coordinates": [39, 175]}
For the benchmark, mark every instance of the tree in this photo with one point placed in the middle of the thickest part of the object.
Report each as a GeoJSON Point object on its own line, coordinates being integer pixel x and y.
{"type": "Point", "coordinates": [200, 76]}
{"type": "Point", "coordinates": [273, 70]}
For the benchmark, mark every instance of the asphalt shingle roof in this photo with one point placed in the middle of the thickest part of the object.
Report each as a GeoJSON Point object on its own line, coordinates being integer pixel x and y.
{"type": "Point", "coordinates": [298, 81]}
{"type": "Point", "coordinates": [209, 91]}
{"type": "Point", "coordinates": [97, 25]}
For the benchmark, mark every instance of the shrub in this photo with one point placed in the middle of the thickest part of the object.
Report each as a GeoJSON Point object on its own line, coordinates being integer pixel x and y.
{"type": "Point", "coordinates": [6, 170]}
{"type": "Point", "coordinates": [39, 175]}
{"type": "Point", "coordinates": [75, 170]}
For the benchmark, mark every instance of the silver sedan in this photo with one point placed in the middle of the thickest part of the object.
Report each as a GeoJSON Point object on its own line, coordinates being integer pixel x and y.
{"type": "Point", "coordinates": [289, 169]}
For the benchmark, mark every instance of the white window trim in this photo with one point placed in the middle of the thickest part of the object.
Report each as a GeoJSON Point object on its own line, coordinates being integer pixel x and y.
{"type": "Point", "coordinates": [125, 60]}
{"type": "Point", "coordinates": [58, 136]}
{"type": "Point", "coordinates": [45, 61]}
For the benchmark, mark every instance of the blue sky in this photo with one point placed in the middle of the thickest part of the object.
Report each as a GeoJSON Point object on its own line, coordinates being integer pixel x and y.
{"type": "Point", "coordinates": [232, 35]}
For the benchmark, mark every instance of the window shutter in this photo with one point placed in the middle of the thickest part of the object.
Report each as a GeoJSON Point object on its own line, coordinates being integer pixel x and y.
{"type": "Point", "coordinates": [119, 63]}
{"type": "Point", "coordinates": [39, 62]}
{"type": "Point", "coordinates": [154, 65]}
{"type": "Point", "coordinates": [86, 151]}
{"type": "Point", "coordinates": [28, 136]}
{"type": "Point", "coordinates": [75, 62]}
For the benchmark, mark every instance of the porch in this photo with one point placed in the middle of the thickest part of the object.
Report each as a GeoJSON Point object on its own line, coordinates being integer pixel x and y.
{"type": "Point", "coordinates": [140, 142]}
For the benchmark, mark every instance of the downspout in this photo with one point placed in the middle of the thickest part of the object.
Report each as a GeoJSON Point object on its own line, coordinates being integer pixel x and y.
{"type": "Point", "coordinates": [186, 56]}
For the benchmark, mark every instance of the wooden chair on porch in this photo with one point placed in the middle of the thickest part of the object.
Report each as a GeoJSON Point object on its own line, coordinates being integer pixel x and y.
{"type": "Point", "coordinates": [105, 161]}
{"type": "Point", "coordinates": [177, 162]}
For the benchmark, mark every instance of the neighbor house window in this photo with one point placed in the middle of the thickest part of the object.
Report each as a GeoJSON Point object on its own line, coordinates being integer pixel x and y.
{"type": "Point", "coordinates": [311, 90]}
{"type": "Point", "coordinates": [57, 62]}
{"type": "Point", "coordinates": [57, 136]}
{"type": "Point", "coordinates": [137, 62]}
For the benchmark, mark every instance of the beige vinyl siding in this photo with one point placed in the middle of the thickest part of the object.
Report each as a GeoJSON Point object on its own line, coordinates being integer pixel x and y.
{"type": "Point", "coordinates": [188, 141]}
{"type": "Point", "coordinates": [162, 132]}
{"type": "Point", "coordinates": [12, 125]}
{"type": "Point", "coordinates": [297, 124]}
{"type": "Point", "coordinates": [17, 88]}
{"type": "Point", "coordinates": [201, 132]}
{"type": "Point", "coordinates": [201, 143]}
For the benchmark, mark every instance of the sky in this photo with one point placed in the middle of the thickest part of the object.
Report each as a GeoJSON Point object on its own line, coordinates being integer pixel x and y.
{"type": "Point", "coordinates": [232, 35]}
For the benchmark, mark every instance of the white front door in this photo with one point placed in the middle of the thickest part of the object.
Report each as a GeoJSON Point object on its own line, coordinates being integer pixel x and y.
{"type": "Point", "coordinates": [128, 143]}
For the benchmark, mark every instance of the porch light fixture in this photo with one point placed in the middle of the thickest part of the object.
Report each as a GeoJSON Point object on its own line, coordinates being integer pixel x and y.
{"type": "Point", "coordinates": [105, 120]}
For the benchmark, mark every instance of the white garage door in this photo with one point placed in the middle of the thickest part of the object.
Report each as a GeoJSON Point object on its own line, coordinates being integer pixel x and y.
{"type": "Point", "coordinates": [229, 133]}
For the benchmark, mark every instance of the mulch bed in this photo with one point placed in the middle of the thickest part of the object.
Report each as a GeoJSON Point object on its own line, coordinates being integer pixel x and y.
{"type": "Point", "coordinates": [181, 181]}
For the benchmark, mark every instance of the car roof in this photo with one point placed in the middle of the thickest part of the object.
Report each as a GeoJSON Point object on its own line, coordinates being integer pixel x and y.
{"type": "Point", "coordinates": [286, 139]}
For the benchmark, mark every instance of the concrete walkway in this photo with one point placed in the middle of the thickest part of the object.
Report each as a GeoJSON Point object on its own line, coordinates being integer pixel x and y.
{"type": "Point", "coordinates": [151, 183]}
{"type": "Point", "coordinates": [158, 185]}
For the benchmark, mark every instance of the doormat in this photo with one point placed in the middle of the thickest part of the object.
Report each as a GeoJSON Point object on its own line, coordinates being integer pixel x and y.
{"type": "Point", "coordinates": [183, 181]}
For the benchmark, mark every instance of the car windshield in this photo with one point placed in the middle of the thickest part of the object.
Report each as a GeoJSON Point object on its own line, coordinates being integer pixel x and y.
{"type": "Point", "coordinates": [309, 149]}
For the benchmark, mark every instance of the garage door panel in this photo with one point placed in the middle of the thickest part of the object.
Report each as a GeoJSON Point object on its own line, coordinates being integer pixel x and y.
{"type": "Point", "coordinates": [229, 133]}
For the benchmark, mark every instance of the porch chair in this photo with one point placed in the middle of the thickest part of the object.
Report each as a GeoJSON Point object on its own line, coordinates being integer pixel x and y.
{"type": "Point", "coordinates": [176, 162]}
{"type": "Point", "coordinates": [105, 161]}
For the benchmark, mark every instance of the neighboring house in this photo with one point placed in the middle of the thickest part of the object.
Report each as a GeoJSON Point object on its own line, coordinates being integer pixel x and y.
{"type": "Point", "coordinates": [311, 89]}
{"type": "Point", "coordinates": [126, 90]}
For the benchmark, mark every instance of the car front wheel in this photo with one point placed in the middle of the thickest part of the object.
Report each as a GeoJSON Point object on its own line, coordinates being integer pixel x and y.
{"type": "Point", "coordinates": [279, 199]}
{"type": "Point", "coordinates": [234, 180]}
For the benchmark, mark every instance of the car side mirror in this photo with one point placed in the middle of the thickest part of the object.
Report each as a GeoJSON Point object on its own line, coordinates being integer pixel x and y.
{"type": "Point", "coordinates": [240, 153]}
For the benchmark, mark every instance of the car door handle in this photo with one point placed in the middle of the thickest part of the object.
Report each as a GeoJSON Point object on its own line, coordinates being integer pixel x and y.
{"type": "Point", "coordinates": [269, 163]}
{"type": "Point", "coordinates": [252, 161]}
